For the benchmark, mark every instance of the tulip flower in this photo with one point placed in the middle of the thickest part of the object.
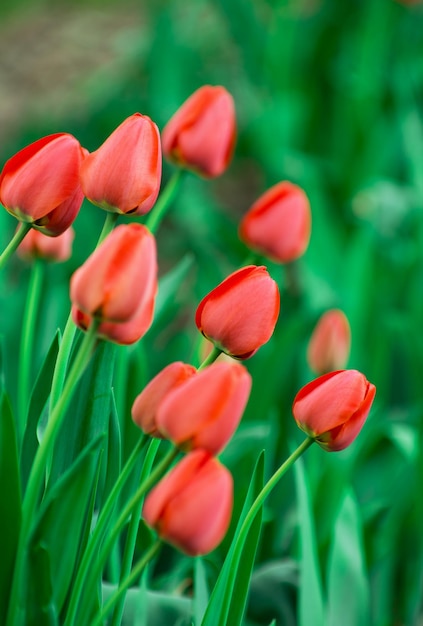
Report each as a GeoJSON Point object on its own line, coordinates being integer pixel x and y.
{"type": "Point", "coordinates": [333, 408]}
{"type": "Point", "coordinates": [278, 224]}
{"type": "Point", "coordinates": [144, 409]}
{"type": "Point", "coordinates": [37, 245]}
{"type": "Point", "coordinates": [205, 410]}
{"type": "Point", "coordinates": [117, 285]}
{"type": "Point", "coordinates": [124, 174]}
{"type": "Point", "coordinates": [201, 134]}
{"type": "Point", "coordinates": [329, 345]}
{"type": "Point", "coordinates": [39, 185]}
{"type": "Point", "coordinates": [191, 506]}
{"type": "Point", "coordinates": [240, 314]}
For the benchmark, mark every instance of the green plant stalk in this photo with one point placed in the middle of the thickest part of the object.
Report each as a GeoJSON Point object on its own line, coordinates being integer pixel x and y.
{"type": "Point", "coordinates": [39, 465]}
{"type": "Point", "coordinates": [131, 538]}
{"type": "Point", "coordinates": [136, 572]}
{"type": "Point", "coordinates": [163, 203]}
{"type": "Point", "coordinates": [29, 327]}
{"type": "Point", "coordinates": [20, 234]}
{"type": "Point", "coordinates": [249, 518]}
{"type": "Point", "coordinates": [211, 358]}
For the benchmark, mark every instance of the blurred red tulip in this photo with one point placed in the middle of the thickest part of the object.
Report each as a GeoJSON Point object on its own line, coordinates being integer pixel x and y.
{"type": "Point", "coordinates": [278, 224]}
{"type": "Point", "coordinates": [240, 314]}
{"type": "Point", "coordinates": [333, 408]}
{"type": "Point", "coordinates": [201, 134]}
{"type": "Point", "coordinates": [37, 245]}
{"type": "Point", "coordinates": [191, 506]}
{"type": "Point", "coordinates": [329, 345]}
{"type": "Point", "coordinates": [124, 174]}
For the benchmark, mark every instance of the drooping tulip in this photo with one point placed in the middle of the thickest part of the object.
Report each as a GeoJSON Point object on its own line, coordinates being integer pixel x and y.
{"type": "Point", "coordinates": [329, 345]}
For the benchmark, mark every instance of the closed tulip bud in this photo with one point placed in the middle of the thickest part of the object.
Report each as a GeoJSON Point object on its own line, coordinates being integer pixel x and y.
{"type": "Point", "coordinates": [144, 409]}
{"type": "Point", "coordinates": [124, 174]}
{"type": "Point", "coordinates": [201, 134]}
{"type": "Point", "coordinates": [278, 224]}
{"type": "Point", "coordinates": [39, 185]}
{"type": "Point", "coordinates": [36, 245]}
{"type": "Point", "coordinates": [333, 408]}
{"type": "Point", "coordinates": [330, 343]}
{"type": "Point", "coordinates": [240, 314]}
{"type": "Point", "coordinates": [205, 410]}
{"type": "Point", "coordinates": [191, 506]}
{"type": "Point", "coordinates": [117, 284]}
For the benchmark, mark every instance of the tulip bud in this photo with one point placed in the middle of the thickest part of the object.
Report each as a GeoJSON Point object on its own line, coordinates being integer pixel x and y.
{"type": "Point", "coordinates": [40, 183]}
{"type": "Point", "coordinates": [278, 224]}
{"type": "Point", "coordinates": [124, 174]}
{"type": "Point", "coordinates": [330, 343]}
{"type": "Point", "coordinates": [333, 408]}
{"type": "Point", "coordinates": [37, 245]}
{"type": "Point", "coordinates": [117, 285]}
{"type": "Point", "coordinates": [201, 134]}
{"type": "Point", "coordinates": [240, 314]}
{"type": "Point", "coordinates": [191, 506]}
{"type": "Point", "coordinates": [144, 409]}
{"type": "Point", "coordinates": [205, 410]}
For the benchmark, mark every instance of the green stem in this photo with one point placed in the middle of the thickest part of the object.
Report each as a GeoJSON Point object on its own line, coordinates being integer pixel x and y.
{"type": "Point", "coordinates": [20, 234]}
{"type": "Point", "coordinates": [29, 327]}
{"type": "Point", "coordinates": [163, 203]}
{"type": "Point", "coordinates": [108, 226]}
{"type": "Point", "coordinates": [211, 358]}
{"type": "Point", "coordinates": [136, 572]}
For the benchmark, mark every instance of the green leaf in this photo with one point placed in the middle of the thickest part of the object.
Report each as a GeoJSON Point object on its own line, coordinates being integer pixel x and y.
{"type": "Point", "coordinates": [40, 608]}
{"type": "Point", "coordinates": [169, 286]}
{"type": "Point", "coordinates": [348, 591]}
{"type": "Point", "coordinates": [113, 461]}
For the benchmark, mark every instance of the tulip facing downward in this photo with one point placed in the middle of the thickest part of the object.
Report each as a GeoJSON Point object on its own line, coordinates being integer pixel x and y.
{"type": "Point", "coordinates": [333, 408]}
{"type": "Point", "coordinates": [191, 506]}
{"type": "Point", "coordinates": [329, 345]}
{"type": "Point", "coordinates": [240, 314]}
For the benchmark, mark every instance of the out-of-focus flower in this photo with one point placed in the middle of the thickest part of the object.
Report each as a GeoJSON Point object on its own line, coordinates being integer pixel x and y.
{"type": "Point", "coordinates": [39, 185]}
{"type": "Point", "coordinates": [201, 135]}
{"type": "Point", "coordinates": [330, 343]}
{"type": "Point", "coordinates": [240, 314]}
{"type": "Point", "coordinates": [144, 408]}
{"type": "Point", "coordinates": [124, 174]}
{"type": "Point", "coordinates": [191, 506]}
{"type": "Point", "coordinates": [36, 245]}
{"type": "Point", "coordinates": [333, 408]}
{"type": "Point", "coordinates": [278, 225]}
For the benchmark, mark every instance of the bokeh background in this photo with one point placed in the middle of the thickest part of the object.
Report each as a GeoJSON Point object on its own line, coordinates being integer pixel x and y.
{"type": "Point", "coordinates": [329, 95]}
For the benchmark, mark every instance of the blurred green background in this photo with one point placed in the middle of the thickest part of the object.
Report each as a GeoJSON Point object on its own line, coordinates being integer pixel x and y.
{"type": "Point", "coordinates": [329, 95]}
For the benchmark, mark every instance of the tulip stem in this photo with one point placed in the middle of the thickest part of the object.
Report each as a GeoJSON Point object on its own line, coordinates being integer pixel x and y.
{"type": "Point", "coordinates": [108, 226]}
{"type": "Point", "coordinates": [164, 201]}
{"type": "Point", "coordinates": [211, 358]}
{"type": "Point", "coordinates": [20, 234]}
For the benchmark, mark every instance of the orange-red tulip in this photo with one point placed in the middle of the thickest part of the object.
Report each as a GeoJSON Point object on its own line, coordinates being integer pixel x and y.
{"type": "Point", "coordinates": [191, 506]}
{"type": "Point", "coordinates": [37, 245]}
{"type": "Point", "coordinates": [201, 134]}
{"type": "Point", "coordinates": [330, 343]}
{"type": "Point", "coordinates": [124, 174]}
{"type": "Point", "coordinates": [144, 409]}
{"type": "Point", "coordinates": [40, 183]}
{"type": "Point", "coordinates": [278, 224]}
{"type": "Point", "coordinates": [333, 408]}
{"type": "Point", "coordinates": [240, 314]}
{"type": "Point", "coordinates": [205, 410]}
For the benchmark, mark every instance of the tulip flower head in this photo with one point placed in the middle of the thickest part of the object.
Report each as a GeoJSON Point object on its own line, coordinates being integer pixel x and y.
{"type": "Point", "coordinates": [39, 185]}
{"type": "Point", "coordinates": [191, 506]}
{"type": "Point", "coordinates": [124, 174]}
{"type": "Point", "coordinates": [329, 345]}
{"type": "Point", "coordinates": [240, 314]}
{"type": "Point", "coordinates": [36, 245]}
{"type": "Point", "coordinates": [201, 134]}
{"type": "Point", "coordinates": [333, 408]}
{"type": "Point", "coordinates": [278, 225]}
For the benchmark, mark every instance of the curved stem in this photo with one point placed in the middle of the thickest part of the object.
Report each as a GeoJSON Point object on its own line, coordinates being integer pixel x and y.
{"type": "Point", "coordinates": [163, 203]}
{"type": "Point", "coordinates": [108, 226]}
{"type": "Point", "coordinates": [22, 231]}
{"type": "Point", "coordinates": [211, 358]}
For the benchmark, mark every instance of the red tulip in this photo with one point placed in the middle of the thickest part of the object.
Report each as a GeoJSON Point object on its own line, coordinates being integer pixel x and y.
{"type": "Point", "coordinates": [144, 409]}
{"type": "Point", "coordinates": [240, 314]}
{"type": "Point", "coordinates": [201, 134]}
{"type": "Point", "coordinates": [191, 506]}
{"type": "Point", "coordinates": [40, 184]}
{"type": "Point", "coordinates": [124, 174]}
{"type": "Point", "coordinates": [37, 245]}
{"type": "Point", "coordinates": [330, 343]}
{"type": "Point", "coordinates": [205, 410]}
{"type": "Point", "coordinates": [333, 408]}
{"type": "Point", "coordinates": [278, 224]}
